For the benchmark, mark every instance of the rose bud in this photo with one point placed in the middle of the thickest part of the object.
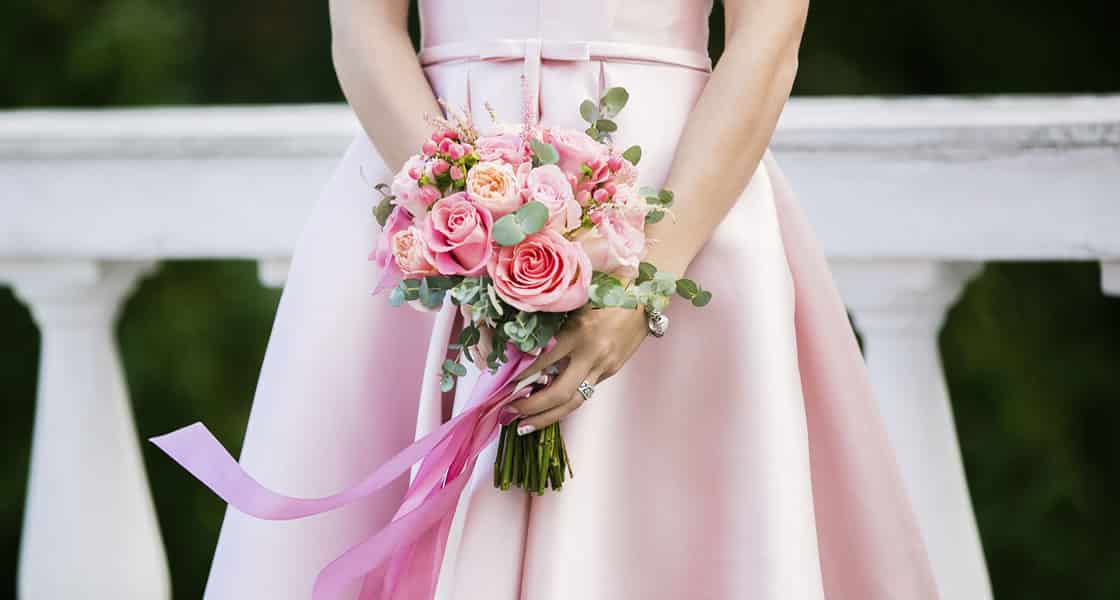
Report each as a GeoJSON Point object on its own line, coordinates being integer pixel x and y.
{"type": "Point", "coordinates": [439, 167]}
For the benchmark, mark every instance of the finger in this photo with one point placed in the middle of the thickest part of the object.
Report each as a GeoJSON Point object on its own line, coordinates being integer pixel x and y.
{"type": "Point", "coordinates": [565, 343]}
{"type": "Point", "coordinates": [554, 415]}
{"type": "Point", "coordinates": [559, 391]}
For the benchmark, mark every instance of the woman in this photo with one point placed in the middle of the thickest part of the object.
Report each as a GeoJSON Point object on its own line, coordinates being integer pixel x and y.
{"type": "Point", "coordinates": [741, 456]}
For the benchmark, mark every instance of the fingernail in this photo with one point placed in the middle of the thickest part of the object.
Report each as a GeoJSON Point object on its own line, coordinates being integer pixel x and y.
{"type": "Point", "coordinates": [525, 429]}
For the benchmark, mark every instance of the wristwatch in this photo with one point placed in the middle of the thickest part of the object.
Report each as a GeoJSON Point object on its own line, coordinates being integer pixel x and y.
{"type": "Point", "coordinates": [657, 323]}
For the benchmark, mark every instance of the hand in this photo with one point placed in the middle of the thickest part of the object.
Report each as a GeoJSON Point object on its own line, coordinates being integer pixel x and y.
{"type": "Point", "coordinates": [596, 343]}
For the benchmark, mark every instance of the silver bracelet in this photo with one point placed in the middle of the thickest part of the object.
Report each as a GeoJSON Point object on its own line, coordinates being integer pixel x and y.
{"type": "Point", "coordinates": [657, 323]}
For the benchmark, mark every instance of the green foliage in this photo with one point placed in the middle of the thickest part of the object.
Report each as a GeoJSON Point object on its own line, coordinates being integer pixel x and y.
{"type": "Point", "coordinates": [543, 154]}
{"type": "Point", "coordinates": [513, 228]}
{"type": "Point", "coordinates": [599, 116]}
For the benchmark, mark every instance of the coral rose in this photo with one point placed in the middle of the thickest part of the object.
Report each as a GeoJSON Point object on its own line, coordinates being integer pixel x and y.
{"type": "Point", "coordinates": [545, 272]}
{"type": "Point", "coordinates": [457, 236]}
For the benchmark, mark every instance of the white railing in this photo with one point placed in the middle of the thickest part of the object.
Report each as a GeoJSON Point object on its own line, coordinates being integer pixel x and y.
{"type": "Point", "coordinates": [910, 197]}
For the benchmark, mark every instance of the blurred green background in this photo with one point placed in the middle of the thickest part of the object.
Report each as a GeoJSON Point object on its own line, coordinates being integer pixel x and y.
{"type": "Point", "coordinates": [1031, 351]}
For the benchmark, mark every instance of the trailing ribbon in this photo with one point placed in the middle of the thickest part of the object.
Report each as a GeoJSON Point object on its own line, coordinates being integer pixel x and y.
{"type": "Point", "coordinates": [403, 559]}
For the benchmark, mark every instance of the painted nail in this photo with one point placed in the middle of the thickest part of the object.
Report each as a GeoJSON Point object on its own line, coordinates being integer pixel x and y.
{"type": "Point", "coordinates": [525, 429]}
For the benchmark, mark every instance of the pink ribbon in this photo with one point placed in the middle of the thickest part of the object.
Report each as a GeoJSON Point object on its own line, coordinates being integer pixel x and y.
{"type": "Point", "coordinates": [403, 559]}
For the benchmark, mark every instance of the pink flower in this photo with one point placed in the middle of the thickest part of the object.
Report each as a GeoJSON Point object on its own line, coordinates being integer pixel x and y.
{"type": "Point", "coordinates": [630, 205]}
{"type": "Point", "coordinates": [614, 245]}
{"type": "Point", "coordinates": [503, 147]}
{"type": "Point", "coordinates": [440, 166]}
{"type": "Point", "coordinates": [545, 272]}
{"type": "Point", "coordinates": [548, 185]}
{"type": "Point", "coordinates": [390, 273]}
{"type": "Point", "coordinates": [494, 186]}
{"type": "Point", "coordinates": [408, 252]}
{"type": "Point", "coordinates": [407, 190]}
{"type": "Point", "coordinates": [626, 173]}
{"type": "Point", "coordinates": [457, 235]}
{"type": "Point", "coordinates": [576, 148]}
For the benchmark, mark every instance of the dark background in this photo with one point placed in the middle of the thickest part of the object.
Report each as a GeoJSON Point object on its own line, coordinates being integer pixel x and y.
{"type": "Point", "coordinates": [1030, 352]}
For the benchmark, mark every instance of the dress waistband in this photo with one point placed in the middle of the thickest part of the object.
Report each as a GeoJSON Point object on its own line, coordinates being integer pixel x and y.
{"type": "Point", "coordinates": [536, 49]}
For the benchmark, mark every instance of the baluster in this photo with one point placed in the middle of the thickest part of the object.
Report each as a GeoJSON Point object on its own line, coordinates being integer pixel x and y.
{"type": "Point", "coordinates": [1110, 277]}
{"type": "Point", "coordinates": [899, 308]}
{"type": "Point", "coordinates": [89, 527]}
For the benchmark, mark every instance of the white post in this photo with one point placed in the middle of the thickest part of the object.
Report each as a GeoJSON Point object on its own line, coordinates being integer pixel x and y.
{"type": "Point", "coordinates": [89, 527]}
{"type": "Point", "coordinates": [1110, 277]}
{"type": "Point", "coordinates": [899, 308]}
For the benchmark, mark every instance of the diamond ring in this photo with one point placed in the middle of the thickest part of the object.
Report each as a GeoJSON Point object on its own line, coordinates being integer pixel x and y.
{"type": "Point", "coordinates": [586, 390]}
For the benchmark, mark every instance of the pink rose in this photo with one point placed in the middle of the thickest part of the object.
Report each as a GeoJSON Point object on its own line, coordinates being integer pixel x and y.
{"type": "Point", "coordinates": [457, 235]}
{"type": "Point", "coordinates": [548, 185]}
{"type": "Point", "coordinates": [408, 251]}
{"type": "Point", "coordinates": [626, 173]}
{"type": "Point", "coordinates": [407, 190]}
{"type": "Point", "coordinates": [390, 273]}
{"type": "Point", "coordinates": [545, 272]}
{"type": "Point", "coordinates": [630, 205]}
{"type": "Point", "coordinates": [493, 186]}
{"type": "Point", "coordinates": [576, 148]}
{"type": "Point", "coordinates": [503, 147]}
{"type": "Point", "coordinates": [614, 245]}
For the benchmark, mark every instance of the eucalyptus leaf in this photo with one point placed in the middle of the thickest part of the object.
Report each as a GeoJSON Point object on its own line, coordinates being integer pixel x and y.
{"type": "Point", "coordinates": [455, 368]}
{"type": "Point", "coordinates": [545, 153]}
{"type": "Point", "coordinates": [589, 111]}
{"type": "Point", "coordinates": [396, 296]}
{"type": "Point", "coordinates": [606, 125]}
{"type": "Point", "coordinates": [383, 209]}
{"type": "Point", "coordinates": [666, 198]}
{"type": "Point", "coordinates": [664, 283]}
{"type": "Point", "coordinates": [615, 99]}
{"type": "Point", "coordinates": [648, 191]}
{"type": "Point", "coordinates": [702, 299]}
{"type": "Point", "coordinates": [469, 336]}
{"type": "Point", "coordinates": [507, 231]}
{"type": "Point", "coordinates": [633, 154]}
{"type": "Point", "coordinates": [532, 217]}
{"type": "Point", "coordinates": [446, 383]}
{"type": "Point", "coordinates": [654, 216]}
{"type": "Point", "coordinates": [646, 271]}
{"type": "Point", "coordinates": [687, 288]}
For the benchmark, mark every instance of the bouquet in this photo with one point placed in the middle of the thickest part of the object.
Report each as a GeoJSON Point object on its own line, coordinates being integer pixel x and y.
{"type": "Point", "coordinates": [518, 229]}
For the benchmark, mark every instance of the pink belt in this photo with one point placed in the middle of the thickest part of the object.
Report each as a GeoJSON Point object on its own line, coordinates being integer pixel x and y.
{"type": "Point", "coordinates": [533, 50]}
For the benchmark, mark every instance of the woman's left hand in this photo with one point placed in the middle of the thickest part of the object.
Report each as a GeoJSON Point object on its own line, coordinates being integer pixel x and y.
{"type": "Point", "coordinates": [596, 342]}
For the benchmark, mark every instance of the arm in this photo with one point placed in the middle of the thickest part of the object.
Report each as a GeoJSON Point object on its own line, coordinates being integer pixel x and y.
{"type": "Point", "coordinates": [380, 76]}
{"type": "Point", "coordinates": [755, 75]}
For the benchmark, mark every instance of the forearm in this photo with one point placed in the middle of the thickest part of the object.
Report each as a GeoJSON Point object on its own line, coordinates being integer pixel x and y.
{"type": "Point", "coordinates": [730, 127]}
{"type": "Point", "coordinates": [380, 76]}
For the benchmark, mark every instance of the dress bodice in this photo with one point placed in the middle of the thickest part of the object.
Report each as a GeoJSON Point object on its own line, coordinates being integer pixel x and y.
{"type": "Point", "coordinates": [681, 24]}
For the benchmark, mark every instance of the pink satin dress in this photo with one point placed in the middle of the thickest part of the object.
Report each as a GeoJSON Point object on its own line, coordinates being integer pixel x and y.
{"type": "Point", "coordinates": [741, 456]}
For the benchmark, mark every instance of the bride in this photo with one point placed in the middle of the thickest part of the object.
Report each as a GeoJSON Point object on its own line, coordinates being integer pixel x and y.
{"type": "Point", "coordinates": [739, 456]}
